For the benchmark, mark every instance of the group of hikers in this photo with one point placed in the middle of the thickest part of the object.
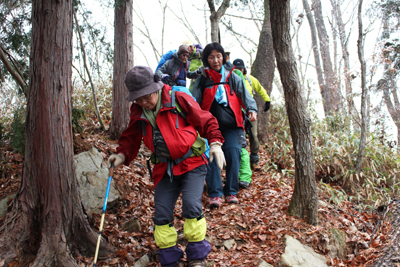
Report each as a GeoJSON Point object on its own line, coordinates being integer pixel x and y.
{"type": "Point", "coordinates": [193, 132]}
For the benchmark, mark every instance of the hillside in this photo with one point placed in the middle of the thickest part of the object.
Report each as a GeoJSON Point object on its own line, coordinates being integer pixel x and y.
{"type": "Point", "coordinates": [257, 224]}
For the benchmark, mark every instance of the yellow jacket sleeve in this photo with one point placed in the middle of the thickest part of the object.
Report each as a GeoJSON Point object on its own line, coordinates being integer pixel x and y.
{"type": "Point", "coordinates": [258, 88]}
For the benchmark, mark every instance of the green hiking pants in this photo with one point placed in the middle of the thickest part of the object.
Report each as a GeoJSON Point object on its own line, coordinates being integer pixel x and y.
{"type": "Point", "coordinates": [245, 170]}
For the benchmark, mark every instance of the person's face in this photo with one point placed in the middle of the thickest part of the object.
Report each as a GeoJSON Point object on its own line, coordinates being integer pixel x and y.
{"type": "Point", "coordinates": [215, 60]}
{"type": "Point", "coordinates": [242, 70]}
{"type": "Point", "coordinates": [147, 101]}
{"type": "Point", "coordinates": [191, 49]}
{"type": "Point", "coordinates": [184, 56]}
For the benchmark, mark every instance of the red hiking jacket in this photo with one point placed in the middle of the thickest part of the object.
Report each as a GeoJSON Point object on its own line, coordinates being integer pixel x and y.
{"type": "Point", "coordinates": [235, 102]}
{"type": "Point", "coordinates": [179, 140]}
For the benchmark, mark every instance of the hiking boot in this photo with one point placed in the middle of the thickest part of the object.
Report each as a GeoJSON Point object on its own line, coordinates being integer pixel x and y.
{"type": "Point", "coordinates": [244, 184]}
{"type": "Point", "coordinates": [255, 166]}
{"type": "Point", "coordinates": [215, 202]}
{"type": "Point", "coordinates": [232, 199]}
{"type": "Point", "coordinates": [197, 263]}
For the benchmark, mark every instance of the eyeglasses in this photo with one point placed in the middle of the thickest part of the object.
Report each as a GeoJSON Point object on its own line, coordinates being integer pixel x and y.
{"type": "Point", "coordinates": [142, 99]}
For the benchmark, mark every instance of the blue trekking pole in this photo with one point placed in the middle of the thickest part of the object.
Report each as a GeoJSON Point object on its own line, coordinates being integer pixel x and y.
{"type": "Point", "coordinates": [103, 213]}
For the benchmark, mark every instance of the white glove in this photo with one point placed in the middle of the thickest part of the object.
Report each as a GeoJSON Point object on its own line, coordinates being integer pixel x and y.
{"type": "Point", "coordinates": [118, 159]}
{"type": "Point", "coordinates": [216, 151]}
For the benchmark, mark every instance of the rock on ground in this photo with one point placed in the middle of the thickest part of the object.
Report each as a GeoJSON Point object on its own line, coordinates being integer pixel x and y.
{"type": "Point", "coordinates": [298, 255]}
{"type": "Point", "coordinates": [92, 175]}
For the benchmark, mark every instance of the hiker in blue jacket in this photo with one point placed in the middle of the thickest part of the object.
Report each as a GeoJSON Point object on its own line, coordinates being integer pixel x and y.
{"type": "Point", "coordinates": [195, 51]}
{"type": "Point", "coordinates": [173, 72]}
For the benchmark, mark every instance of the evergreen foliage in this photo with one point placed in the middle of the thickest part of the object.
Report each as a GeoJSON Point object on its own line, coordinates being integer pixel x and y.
{"type": "Point", "coordinates": [77, 115]}
{"type": "Point", "coordinates": [18, 130]}
{"type": "Point", "coordinates": [15, 34]}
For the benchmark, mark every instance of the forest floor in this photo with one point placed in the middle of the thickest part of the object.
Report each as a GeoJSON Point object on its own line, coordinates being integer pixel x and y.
{"type": "Point", "coordinates": [257, 224]}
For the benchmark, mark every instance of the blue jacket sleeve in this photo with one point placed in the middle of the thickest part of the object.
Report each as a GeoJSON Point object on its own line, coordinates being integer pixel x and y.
{"type": "Point", "coordinates": [164, 58]}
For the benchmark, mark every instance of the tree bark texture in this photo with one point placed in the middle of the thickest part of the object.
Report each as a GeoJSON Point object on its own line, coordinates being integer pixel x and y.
{"type": "Point", "coordinates": [360, 45]}
{"type": "Point", "coordinates": [330, 79]}
{"type": "Point", "coordinates": [216, 16]}
{"type": "Point", "coordinates": [263, 69]}
{"type": "Point", "coordinates": [123, 62]}
{"type": "Point", "coordinates": [48, 222]}
{"type": "Point", "coordinates": [304, 202]}
{"type": "Point", "coordinates": [326, 96]}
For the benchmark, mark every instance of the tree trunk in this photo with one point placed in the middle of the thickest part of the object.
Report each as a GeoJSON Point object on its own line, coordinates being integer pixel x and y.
{"type": "Point", "coordinates": [304, 202]}
{"type": "Point", "coordinates": [388, 85]}
{"type": "Point", "coordinates": [326, 97]}
{"type": "Point", "coordinates": [263, 69]}
{"type": "Point", "coordinates": [123, 62]}
{"type": "Point", "coordinates": [352, 111]}
{"type": "Point", "coordinates": [330, 79]}
{"type": "Point", "coordinates": [360, 45]}
{"type": "Point", "coordinates": [394, 109]}
{"type": "Point", "coordinates": [215, 17]}
{"type": "Point", "coordinates": [47, 223]}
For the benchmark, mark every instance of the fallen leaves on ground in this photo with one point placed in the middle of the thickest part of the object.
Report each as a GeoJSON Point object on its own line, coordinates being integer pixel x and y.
{"type": "Point", "coordinates": [257, 224]}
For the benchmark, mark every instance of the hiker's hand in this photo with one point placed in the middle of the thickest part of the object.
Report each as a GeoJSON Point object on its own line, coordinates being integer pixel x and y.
{"type": "Point", "coordinates": [216, 151]}
{"type": "Point", "coordinates": [118, 159]}
{"type": "Point", "coordinates": [267, 106]}
{"type": "Point", "coordinates": [200, 70]}
{"type": "Point", "coordinates": [252, 116]}
{"type": "Point", "coordinates": [165, 78]}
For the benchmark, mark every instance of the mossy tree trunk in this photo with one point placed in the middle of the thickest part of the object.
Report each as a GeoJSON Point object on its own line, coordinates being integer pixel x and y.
{"type": "Point", "coordinates": [304, 202]}
{"type": "Point", "coordinates": [47, 225]}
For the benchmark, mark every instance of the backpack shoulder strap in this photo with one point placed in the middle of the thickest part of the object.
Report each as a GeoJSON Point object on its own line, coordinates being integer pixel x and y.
{"type": "Point", "coordinates": [248, 78]}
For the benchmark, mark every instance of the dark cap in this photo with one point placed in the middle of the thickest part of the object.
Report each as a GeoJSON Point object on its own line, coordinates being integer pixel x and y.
{"type": "Point", "coordinates": [238, 63]}
{"type": "Point", "coordinates": [140, 81]}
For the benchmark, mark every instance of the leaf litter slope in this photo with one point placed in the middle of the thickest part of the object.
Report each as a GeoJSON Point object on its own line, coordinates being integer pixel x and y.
{"type": "Point", "coordinates": [257, 225]}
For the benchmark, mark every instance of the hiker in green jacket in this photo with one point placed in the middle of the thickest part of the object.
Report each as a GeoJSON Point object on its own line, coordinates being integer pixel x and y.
{"type": "Point", "coordinates": [253, 85]}
{"type": "Point", "coordinates": [196, 52]}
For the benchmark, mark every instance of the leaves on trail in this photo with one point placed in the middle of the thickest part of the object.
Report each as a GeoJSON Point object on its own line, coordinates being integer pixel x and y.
{"type": "Point", "coordinates": [257, 224]}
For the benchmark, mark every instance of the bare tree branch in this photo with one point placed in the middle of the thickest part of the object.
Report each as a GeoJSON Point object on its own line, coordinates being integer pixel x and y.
{"type": "Point", "coordinates": [235, 33]}
{"type": "Point", "coordinates": [88, 72]}
{"type": "Point", "coordinates": [254, 19]}
{"type": "Point", "coordinates": [145, 57]}
{"type": "Point", "coordinates": [186, 23]}
{"type": "Point", "coordinates": [241, 17]}
{"type": "Point", "coordinates": [163, 8]}
{"type": "Point", "coordinates": [211, 5]}
{"type": "Point", "coordinates": [147, 33]}
{"type": "Point", "coordinates": [80, 74]}
{"type": "Point", "coordinates": [15, 73]}
{"type": "Point", "coordinates": [216, 17]}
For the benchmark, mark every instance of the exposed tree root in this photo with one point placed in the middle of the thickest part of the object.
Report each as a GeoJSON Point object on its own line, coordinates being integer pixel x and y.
{"type": "Point", "coordinates": [52, 253]}
{"type": "Point", "coordinates": [23, 241]}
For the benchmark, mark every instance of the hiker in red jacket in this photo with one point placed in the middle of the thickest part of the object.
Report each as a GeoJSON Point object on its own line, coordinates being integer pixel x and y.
{"type": "Point", "coordinates": [222, 92]}
{"type": "Point", "coordinates": [180, 167]}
